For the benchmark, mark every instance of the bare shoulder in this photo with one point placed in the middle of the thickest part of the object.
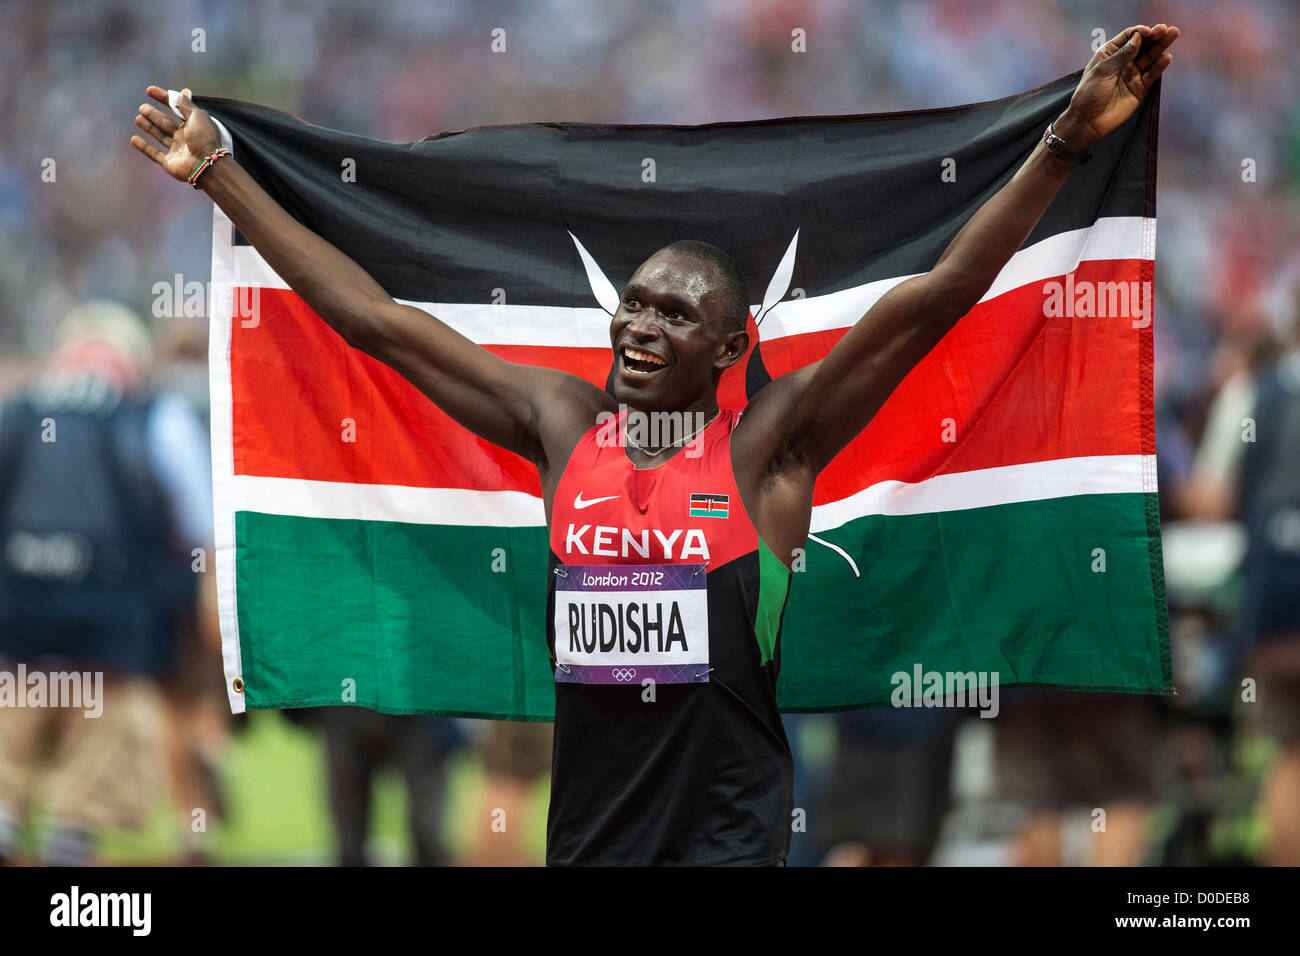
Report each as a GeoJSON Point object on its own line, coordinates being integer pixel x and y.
{"type": "Point", "coordinates": [567, 406]}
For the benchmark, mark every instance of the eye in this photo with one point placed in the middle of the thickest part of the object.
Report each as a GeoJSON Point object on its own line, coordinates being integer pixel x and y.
{"type": "Point", "coordinates": [631, 302]}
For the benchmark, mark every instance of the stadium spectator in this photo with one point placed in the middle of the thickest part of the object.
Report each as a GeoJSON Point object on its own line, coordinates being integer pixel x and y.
{"type": "Point", "coordinates": [103, 494]}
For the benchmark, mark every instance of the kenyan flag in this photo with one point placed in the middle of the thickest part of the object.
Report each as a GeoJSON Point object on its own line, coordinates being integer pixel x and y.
{"type": "Point", "coordinates": [998, 515]}
{"type": "Point", "coordinates": [709, 506]}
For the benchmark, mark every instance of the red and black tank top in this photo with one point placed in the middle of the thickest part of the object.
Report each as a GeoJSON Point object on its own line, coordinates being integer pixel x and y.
{"type": "Point", "coordinates": [664, 622]}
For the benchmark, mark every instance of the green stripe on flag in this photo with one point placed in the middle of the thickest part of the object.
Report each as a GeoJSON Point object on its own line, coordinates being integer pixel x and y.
{"type": "Point", "coordinates": [412, 613]}
{"type": "Point", "coordinates": [977, 590]}
{"type": "Point", "coordinates": [415, 614]}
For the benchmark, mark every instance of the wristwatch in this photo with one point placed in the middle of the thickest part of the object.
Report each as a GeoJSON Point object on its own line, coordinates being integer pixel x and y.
{"type": "Point", "coordinates": [1063, 149]}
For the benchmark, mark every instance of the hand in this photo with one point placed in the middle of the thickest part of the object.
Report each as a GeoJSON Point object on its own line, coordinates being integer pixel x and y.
{"type": "Point", "coordinates": [186, 143]}
{"type": "Point", "coordinates": [1115, 83]}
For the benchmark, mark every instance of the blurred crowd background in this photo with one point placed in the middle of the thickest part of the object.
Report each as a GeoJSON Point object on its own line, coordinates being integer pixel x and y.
{"type": "Point", "coordinates": [88, 228]}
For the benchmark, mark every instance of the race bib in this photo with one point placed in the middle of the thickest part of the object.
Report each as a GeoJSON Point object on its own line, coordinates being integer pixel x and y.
{"type": "Point", "coordinates": [624, 624]}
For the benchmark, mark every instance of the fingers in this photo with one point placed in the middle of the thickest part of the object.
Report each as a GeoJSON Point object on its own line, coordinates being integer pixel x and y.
{"type": "Point", "coordinates": [153, 152]}
{"type": "Point", "coordinates": [1152, 73]}
{"type": "Point", "coordinates": [185, 105]}
{"type": "Point", "coordinates": [1117, 51]}
{"type": "Point", "coordinates": [1126, 36]}
{"type": "Point", "coordinates": [1160, 39]}
{"type": "Point", "coordinates": [167, 124]}
{"type": "Point", "coordinates": [1130, 47]}
{"type": "Point", "coordinates": [154, 131]}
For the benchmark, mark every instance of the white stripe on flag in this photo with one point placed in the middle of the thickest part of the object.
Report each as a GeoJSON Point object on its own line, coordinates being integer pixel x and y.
{"type": "Point", "coordinates": [1102, 474]}
{"type": "Point", "coordinates": [340, 499]}
{"type": "Point", "coordinates": [1128, 237]}
{"type": "Point", "coordinates": [1009, 484]}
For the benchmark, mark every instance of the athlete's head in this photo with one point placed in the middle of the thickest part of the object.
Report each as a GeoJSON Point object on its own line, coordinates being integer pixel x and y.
{"type": "Point", "coordinates": [679, 326]}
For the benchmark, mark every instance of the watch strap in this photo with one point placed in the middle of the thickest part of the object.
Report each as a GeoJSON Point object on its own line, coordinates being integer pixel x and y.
{"type": "Point", "coordinates": [1063, 149]}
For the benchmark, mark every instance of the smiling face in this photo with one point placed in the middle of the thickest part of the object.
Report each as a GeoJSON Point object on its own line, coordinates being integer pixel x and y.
{"type": "Point", "coordinates": [670, 335]}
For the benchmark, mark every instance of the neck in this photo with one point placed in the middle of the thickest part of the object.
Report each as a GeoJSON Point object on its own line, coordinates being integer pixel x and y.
{"type": "Point", "coordinates": [651, 433]}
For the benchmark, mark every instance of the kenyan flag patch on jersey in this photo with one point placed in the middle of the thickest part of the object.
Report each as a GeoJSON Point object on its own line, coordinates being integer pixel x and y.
{"type": "Point", "coordinates": [709, 506]}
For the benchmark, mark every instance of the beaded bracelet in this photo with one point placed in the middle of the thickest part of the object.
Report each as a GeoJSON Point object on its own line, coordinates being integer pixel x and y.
{"type": "Point", "coordinates": [211, 158]}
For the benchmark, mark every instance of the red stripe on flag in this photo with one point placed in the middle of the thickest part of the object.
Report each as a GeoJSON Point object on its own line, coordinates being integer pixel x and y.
{"type": "Point", "coordinates": [1016, 386]}
{"type": "Point", "coordinates": [1019, 387]}
{"type": "Point", "coordinates": [296, 382]}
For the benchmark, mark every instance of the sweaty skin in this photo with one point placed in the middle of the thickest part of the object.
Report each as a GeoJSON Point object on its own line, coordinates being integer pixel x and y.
{"type": "Point", "coordinates": [790, 430]}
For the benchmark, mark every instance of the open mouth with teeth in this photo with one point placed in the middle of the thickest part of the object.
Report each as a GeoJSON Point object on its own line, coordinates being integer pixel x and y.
{"type": "Point", "coordinates": [639, 360]}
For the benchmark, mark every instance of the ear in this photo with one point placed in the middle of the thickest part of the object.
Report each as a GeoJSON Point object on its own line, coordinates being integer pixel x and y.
{"type": "Point", "coordinates": [732, 350]}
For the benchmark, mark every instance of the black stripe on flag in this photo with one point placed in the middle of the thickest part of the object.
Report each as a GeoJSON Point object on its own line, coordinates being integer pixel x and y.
{"type": "Point", "coordinates": [456, 215]}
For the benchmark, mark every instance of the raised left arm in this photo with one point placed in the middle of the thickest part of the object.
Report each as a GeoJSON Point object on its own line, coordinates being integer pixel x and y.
{"type": "Point", "coordinates": [822, 407]}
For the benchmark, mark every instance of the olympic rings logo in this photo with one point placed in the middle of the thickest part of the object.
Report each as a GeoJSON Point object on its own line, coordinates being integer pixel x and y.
{"type": "Point", "coordinates": [623, 673]}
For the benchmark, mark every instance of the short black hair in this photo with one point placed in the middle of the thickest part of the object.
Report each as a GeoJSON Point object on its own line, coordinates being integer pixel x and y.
{"type": "Point", "coordinates": [734, 290]}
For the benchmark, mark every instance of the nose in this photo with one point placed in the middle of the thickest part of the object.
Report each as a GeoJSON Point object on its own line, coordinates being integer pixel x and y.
{"type": "Point", "coordinates": [643, 324]}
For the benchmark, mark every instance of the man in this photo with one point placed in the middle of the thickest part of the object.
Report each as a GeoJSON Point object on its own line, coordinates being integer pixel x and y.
{"type": "Point", "coordinates": [694, 543]}
{"type": "Point", "coordinates": [104, 494]}
{"type": "Point", "coordinates": [1255, 480]}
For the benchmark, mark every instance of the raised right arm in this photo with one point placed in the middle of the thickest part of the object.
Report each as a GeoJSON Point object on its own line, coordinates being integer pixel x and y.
{"type": "Point", "coordinates": [495, 399]}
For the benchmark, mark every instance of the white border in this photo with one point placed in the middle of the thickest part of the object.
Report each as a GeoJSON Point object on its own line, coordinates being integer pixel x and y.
{"type": "Point", "coordinates": [225, 500]}
{"type": "Point", "coordinates": [1149, 253]}
{"type": "Point", "coordinates": [224, 497]}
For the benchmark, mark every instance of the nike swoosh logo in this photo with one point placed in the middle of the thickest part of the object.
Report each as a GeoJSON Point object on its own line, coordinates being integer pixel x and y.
{"type": "Point", "coordinates": [579, 504]}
